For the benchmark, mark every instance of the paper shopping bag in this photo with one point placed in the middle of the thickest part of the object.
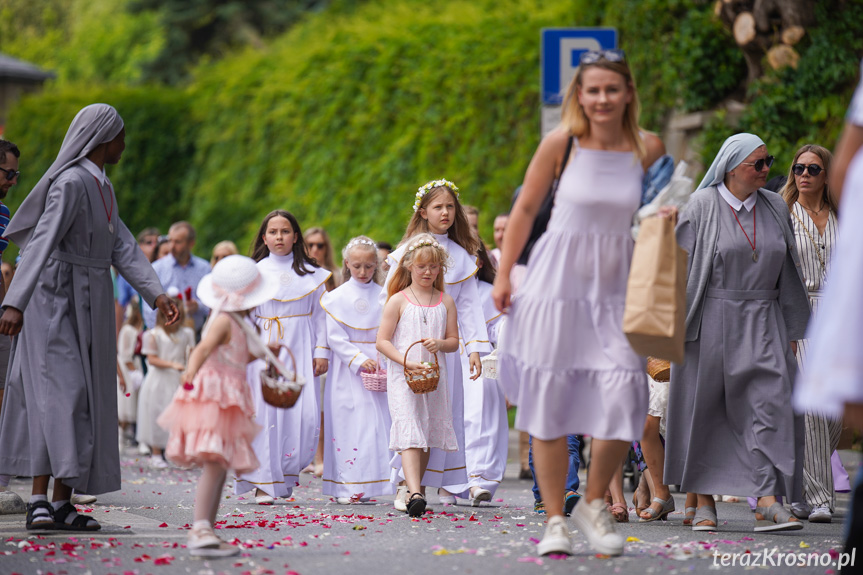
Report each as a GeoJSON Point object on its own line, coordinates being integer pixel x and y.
{"type": "Point", "coordinates": [655, 312]}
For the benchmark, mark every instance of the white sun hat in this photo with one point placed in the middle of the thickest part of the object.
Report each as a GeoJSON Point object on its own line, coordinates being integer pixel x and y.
{"type": "Point", "coordinates": [236, 284]}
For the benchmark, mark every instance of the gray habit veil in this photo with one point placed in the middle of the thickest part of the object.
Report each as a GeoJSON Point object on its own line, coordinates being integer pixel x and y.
{"type": "Point", "coordinates": [59, 414]}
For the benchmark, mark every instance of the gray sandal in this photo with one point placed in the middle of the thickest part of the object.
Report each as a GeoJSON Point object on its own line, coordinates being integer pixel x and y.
{"type": "Point", "coordinates": [705, 513]}
{"type": "Point", "coordinates": [776, 518]}
{"type": "Point", "coordinates": [667, 507]}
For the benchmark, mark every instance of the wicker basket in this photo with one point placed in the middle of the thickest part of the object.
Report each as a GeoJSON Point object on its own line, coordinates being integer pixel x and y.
{"type": "Point", "coordinates": [376, 381]}
{"type": "Point", "coordinates": [425, 379]}
{"type": "Point", "coordinates": [278, 390]}
{"type": "Point", "coordinates": [659, 369]}
{"type": "Point", "coordinates": [489, 365]}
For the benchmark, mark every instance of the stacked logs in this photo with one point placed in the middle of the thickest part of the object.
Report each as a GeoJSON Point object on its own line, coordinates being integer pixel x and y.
{"type": "Point", "coordinates": [768, 28]}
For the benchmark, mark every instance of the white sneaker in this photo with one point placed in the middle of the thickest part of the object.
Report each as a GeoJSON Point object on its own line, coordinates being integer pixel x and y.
{"type": "Point", "coordinates": [821, 514]}
{"type": "Point", "coordinates": [597, 524]}
{"type": "Point", "coordinates": [478, 495]}
{"type": "Point", "coordinates": [556, 539]}
{"type": "Point", "coordinates": [264, 499]}
{"type": "Point", "coordinates": [156, 462]}
{"type": "Point", "coordinates": [401, 494]}
{"type": "Point", "coordinates": [202, 542]}
{"type": "Point", "coordinates": [445, 497]}
{"type": "Point", "coordinates": [82, 499]}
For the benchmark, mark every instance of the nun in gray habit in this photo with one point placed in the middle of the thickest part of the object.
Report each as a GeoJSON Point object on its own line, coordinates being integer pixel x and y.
{"type": "Point", "coordinates": [59, 415]}
{"type": "Point", "coordinates": [731, 428]}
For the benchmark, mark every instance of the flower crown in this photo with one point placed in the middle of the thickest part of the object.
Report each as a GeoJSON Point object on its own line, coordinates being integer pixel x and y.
{"type": "Point", "coordinates": [360, 242]}
{"type": "Point", "coordinates": [431, 185]}
{"type": "Point", "coordinates": [423, 243]}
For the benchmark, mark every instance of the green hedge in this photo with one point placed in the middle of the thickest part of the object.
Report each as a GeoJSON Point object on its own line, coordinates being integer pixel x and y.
{"type": "Point", "coordinates": [148, 180]}
{"type": "Point", "coordinates": [343, 117]}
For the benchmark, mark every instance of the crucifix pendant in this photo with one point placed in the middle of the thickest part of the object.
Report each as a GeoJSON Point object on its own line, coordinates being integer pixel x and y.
{"type": "Point", "coordinates": [754, 256]}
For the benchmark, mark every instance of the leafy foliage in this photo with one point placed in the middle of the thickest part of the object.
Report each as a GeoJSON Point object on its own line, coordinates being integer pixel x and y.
{"type": "Point", "coordinates": [788, 108]}
{"type": "Point", "coordinates": [341, 118]}
{"type": "Point", "coordinates": [54, 33]}
{"type": "Point", "coordinates": [148, 180]}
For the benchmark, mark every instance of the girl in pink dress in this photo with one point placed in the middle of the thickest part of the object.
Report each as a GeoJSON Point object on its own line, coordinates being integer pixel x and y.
{"type": "Point", "coordinates": [212, 417]}
{"type": "Point", "coordinates": [418, 310]}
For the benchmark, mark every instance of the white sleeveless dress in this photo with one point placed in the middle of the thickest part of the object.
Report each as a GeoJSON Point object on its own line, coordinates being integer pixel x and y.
{"type": "Point", "coordinates": [421, 420]}
{"type": "Point", "coordinates": [564, 358]}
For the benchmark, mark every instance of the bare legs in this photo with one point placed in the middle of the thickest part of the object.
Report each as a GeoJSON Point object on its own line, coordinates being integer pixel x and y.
{"type": "Point", "coordinates": [550, 459]}
{"type": "Point", "coordinates": [414, 463]}
{"type": "Point", "coordinates": [62, 492]}
{"type": "Point", "coordinates": [209, 492]}
{"type": "Point", "coordinates": [654, 456]}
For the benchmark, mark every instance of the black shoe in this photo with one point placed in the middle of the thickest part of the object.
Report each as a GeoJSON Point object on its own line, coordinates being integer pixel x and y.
{"type": "Point", "coordinates": [416, 505]}
{"type": "Point", "coordinates": [525, 474]}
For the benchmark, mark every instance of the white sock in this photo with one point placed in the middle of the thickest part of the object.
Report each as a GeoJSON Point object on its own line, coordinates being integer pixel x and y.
{"type": "Point", "coordinates": [72, 514]}
{"type": "Point", "coordinates": [40, 513]}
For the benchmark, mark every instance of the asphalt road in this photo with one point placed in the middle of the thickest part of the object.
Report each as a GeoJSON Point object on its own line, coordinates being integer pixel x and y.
{"type": "Point", "coordinates": [144, 530]}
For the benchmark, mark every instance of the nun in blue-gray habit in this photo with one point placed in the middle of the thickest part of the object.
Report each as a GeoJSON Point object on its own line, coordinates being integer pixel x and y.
{"type": "Point", "coordinates": [59, 415]}
{"type": "Point", "coordinates": [731, 428]}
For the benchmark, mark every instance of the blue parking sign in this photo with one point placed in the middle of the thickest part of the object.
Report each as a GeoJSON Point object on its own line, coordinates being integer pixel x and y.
{"type": "Point", "coordinates": [561, 49]}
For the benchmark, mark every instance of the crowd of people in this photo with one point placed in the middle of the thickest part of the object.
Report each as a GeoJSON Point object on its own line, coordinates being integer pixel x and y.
{"type": "Point", "coordinates": [388, 350]}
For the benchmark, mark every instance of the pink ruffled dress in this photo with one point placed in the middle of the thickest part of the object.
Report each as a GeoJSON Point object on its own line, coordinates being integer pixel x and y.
{"type": "Point", "coordinates": [214, 421]}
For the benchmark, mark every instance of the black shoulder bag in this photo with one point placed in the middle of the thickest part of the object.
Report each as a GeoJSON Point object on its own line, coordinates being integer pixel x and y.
{"type": "Point", "coordinates": [544, 213]}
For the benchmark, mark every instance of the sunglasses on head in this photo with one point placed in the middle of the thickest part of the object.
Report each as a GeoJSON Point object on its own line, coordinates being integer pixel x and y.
{"type": "Point", "coordinates": [814, 169]}
{"type": "Point", "coordinates": [594, 56]}
{"type": "Point", "coordinates": [11, 174]}
{"type": "Point", "coordinates": [759, 164]}
{"type": "Point", "coordinates": [318, 245]}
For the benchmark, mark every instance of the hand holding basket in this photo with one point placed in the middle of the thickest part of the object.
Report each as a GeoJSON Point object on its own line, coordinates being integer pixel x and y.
{"type": "Point", "coordinates": [425, 378]}
{"type": "Point", "coordinates": [377, 380]}
{"type": "Point", "coordinates": [281, 390]}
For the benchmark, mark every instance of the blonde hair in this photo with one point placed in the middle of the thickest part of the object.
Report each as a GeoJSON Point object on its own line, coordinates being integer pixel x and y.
{"type": "Point", "coordinates": [133, 316]}
{"type": "Point", "coordinates": [790, 193]}
{"type": "Point", "coordinates": [577, 123]}
{"type": "Point", "coordinates": [228, 245]}
{"type": "Point", "coordinates": [420, 249]}
{"type": "Point", "coordinates": [329, 263]}
{"type": "Point", "coordinates": [460, 231]}
{"type": "Point", "coordinates": [361, 243]}
{"type": "Point", "coordinates": [174, 327]}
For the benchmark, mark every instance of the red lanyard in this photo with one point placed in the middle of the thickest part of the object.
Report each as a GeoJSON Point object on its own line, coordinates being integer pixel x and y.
{"type": "Point", "coordinates": [110, 212]}
{"type": "Point", "coordinates": [754, 231]}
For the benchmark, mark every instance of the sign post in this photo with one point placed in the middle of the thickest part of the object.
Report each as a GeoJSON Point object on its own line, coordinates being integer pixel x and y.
{"type": "Point", "coordinates": [560, 53]}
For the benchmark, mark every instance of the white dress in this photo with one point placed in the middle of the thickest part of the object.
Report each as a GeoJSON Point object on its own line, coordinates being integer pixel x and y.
{"type": "Point", "coordinates": [295, 319]}
{"type": "Point", "coordinates": [356, 421]}
{"type": "Point", "coordinates": [834, 369]}
{"type": "Point", "coordinates": [486, 426]}
{"type": "Point", "coordinates": [127, 403]}
{"type": "Point", "coordinates": [419, 420]}
{"type": "Point", "coordinates": [161, 383]}
{"type": "Point", "coordinates": [450, 468]}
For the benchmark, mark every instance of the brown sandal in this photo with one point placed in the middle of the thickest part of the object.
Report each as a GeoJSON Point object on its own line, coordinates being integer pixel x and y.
{"type": "Point", "coordinates": [619, 512]}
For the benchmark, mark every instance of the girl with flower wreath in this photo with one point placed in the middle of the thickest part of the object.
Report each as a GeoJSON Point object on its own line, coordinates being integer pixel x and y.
{"type": "Point", "coordinates": [295, 319]}
{"type": "Point", "coordinates": [356, 429]}
{"type": "Point", "coordinates": [417, 309]}
{"type": "Point", "coordinates": [437, 211]}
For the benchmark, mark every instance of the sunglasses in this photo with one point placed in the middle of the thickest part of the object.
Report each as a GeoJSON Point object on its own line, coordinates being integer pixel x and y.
{"type": "Point", "coordinates": [759, 164]}
{"type": "Point", "coordinates": [814, 169]}
{"type": "Point", "coordinates": [594, 56]}
{"type": "Point", "coordinates": [11, 174]}
{"type": "Point", "coordinates": [318, 245]}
